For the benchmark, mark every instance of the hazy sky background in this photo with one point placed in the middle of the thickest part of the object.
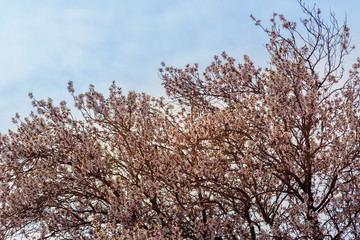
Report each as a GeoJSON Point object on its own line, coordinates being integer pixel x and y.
{"type": "Point", "coordinates": [44, 44]}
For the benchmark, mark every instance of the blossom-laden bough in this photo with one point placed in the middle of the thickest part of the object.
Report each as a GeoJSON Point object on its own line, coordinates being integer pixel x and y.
{"type": "Point", "coordinates": [236, 153]}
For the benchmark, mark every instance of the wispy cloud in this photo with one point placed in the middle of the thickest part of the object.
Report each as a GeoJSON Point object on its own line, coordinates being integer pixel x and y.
{"type": "Point", "coordinates": [43, 44]}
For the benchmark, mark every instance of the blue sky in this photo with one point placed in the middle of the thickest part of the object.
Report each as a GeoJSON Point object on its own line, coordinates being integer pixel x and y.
{"type": "Point", "coordinates": [44, 44]}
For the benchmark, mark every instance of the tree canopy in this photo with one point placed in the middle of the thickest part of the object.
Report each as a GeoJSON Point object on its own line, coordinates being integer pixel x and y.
{"type": "Point", "coordinates": [237, 152]}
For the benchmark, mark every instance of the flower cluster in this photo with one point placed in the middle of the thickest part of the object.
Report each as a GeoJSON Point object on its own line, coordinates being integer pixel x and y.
{"type": "Point", "coordinates": [237, 152]}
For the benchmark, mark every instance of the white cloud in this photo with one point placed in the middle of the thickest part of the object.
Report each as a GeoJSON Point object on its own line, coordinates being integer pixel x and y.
{"type": "Point", "coordinates": [43, 44]}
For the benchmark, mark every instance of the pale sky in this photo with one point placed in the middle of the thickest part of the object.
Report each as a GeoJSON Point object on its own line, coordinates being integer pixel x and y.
{"type": "Point", "coordinates": [44, 44]}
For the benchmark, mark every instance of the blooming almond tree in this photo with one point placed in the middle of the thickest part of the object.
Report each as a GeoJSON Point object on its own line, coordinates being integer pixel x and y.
{"type": "Point", "coordinates": [238, 152]}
